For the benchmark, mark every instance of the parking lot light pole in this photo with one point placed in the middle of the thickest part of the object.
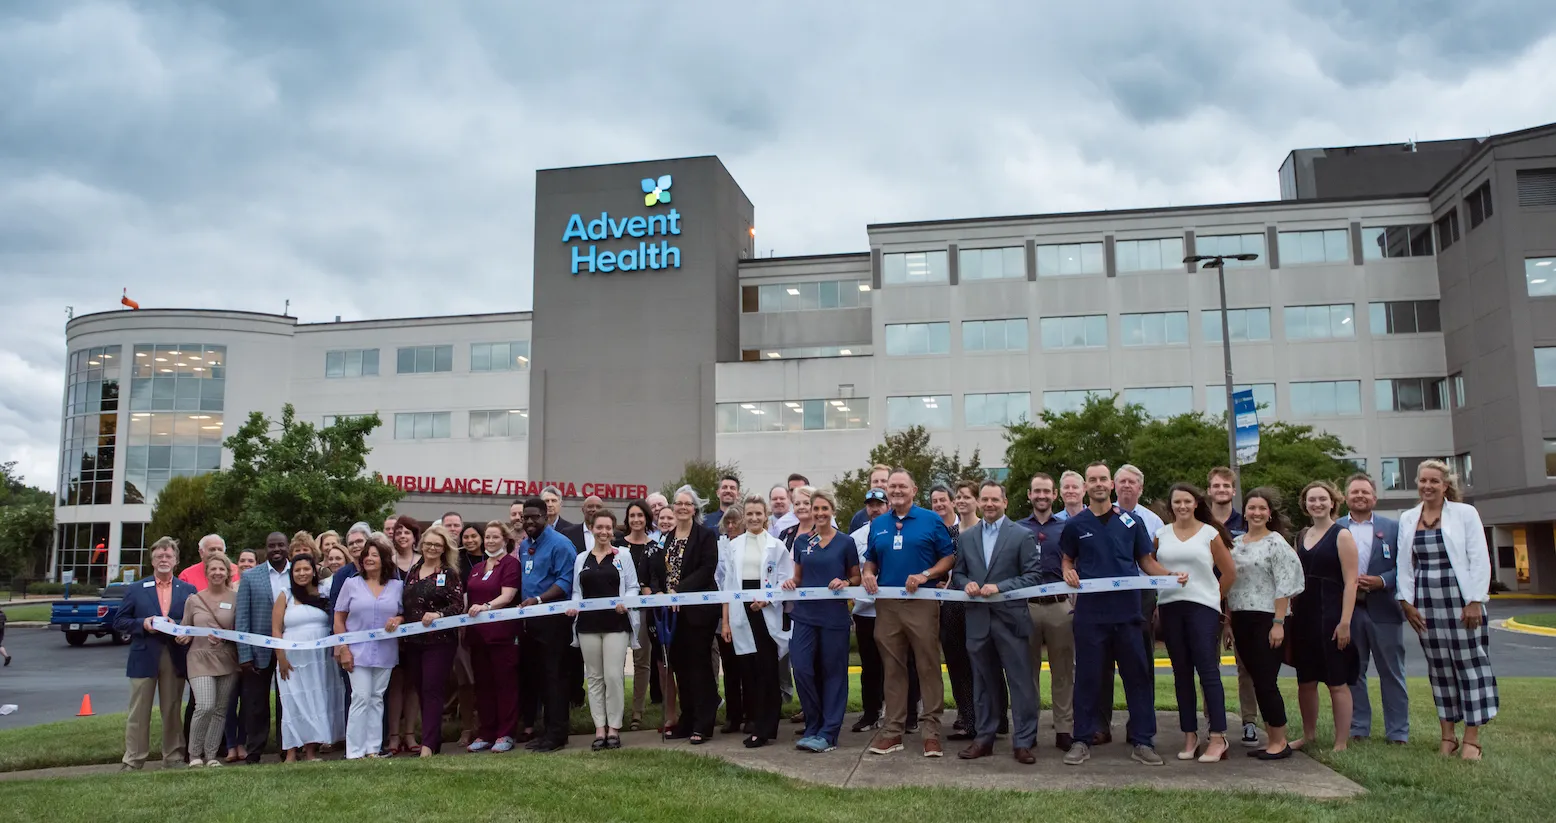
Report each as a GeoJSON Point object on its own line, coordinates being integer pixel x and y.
{"type": "Point", "coordinates": [1218, 262]}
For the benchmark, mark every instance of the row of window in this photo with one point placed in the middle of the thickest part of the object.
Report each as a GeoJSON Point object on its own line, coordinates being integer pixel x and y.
{"type": "Point", "coordinates": [754, 355]}
{"type": "Point", "coordinates": [833, 414]}
{"type": "Point", "coordinates": [439, 425]}
{"type": "Point", "coordinates": [1163, 328]}
{"type": "Point", "coordinates": [1323, 246]}
{"type": "Point", "coordinates": [484, 357]}
{"type": "Point", "coordinates": [804, 296]}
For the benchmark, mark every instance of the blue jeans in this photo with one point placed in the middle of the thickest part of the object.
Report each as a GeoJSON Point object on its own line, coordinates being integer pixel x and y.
{"type": "Point", "coordinates": [1192, 632]}
{"type": "Point", "coordinates": [1127, 646]}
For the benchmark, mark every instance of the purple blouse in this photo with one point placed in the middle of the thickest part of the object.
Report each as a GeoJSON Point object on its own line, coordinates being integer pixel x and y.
{"type": "Point", "coordinates": [365, 613]}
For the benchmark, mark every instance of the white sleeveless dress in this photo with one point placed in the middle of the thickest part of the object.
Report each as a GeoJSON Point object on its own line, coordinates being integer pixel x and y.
{"type": "Point", "coordinates": [312, 697]}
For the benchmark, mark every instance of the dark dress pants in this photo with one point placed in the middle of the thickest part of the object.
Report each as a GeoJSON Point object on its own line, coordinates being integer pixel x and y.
{"type": "Point", "coordinates": [546, 685]}
{"type": "Point", "coordinates": [759, 679]}
{"type": "Point", "coordinates": [691, 657]}
{"type": "Point", "coordinates": [998, 657]}
{"type": "Point", "coordinates": [1125, 643]}
{"type": "Point", "coordinates": [256, 685]}
{"type": "Point", "coordinates": [958, 666]}
{"type": "Point", "coordinates": [734, 699]}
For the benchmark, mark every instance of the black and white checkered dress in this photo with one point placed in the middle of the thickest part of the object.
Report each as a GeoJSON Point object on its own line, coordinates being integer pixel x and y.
{"type": "Point", "coordinates": [1458, 660]}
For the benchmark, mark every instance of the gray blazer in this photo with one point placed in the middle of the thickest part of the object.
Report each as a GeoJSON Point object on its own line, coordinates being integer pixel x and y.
{"type": "Point", "coordinates": [1013, 566]}
{"type": "Point", "coordinates": [255, 600]}
{"type": "Point", "coordinates": [1382, 605]}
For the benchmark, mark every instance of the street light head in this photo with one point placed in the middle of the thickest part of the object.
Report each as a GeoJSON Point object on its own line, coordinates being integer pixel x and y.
{"type": "Point", "coordinates": [1214, 263]}
{"type": "Point", "coordinates": [1244, 256]}
{"type": "Point", "coordinates": [1196, 258]}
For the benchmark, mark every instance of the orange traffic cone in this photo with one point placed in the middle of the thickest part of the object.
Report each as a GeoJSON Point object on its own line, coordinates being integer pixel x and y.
{"type": "Point", "coordinates": [86, 706]}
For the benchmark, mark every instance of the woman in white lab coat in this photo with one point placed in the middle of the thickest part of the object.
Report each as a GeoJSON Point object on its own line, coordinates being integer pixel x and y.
{"type": "Point", "coordinates": [756, 560]}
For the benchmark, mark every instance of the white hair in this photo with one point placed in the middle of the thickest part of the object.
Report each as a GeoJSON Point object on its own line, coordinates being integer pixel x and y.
{"type": "Point", "coordinates": [359, 526]}
{"type": "Point", "coordinates": [697, 499]}
{"type": "Point", "coordinates": [551, 490]}
{"type": "Point", "coordinates": [206, 540]}
{"type": "Point", "coordinates": [1131, 469]}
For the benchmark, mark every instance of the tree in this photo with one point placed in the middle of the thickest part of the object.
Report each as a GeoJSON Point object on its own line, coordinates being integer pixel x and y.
{"type": "Point", "coordinates": [186, 512]}
{"type": "Point", "coordinates": [702, 475]}
{"type": "Point", "coordinates": [288, 475]}
{"type": "Point", "coordinates": [1179, 449]}
{"type": "Point", "coordinates": [26, 525]}
{"type": "Point", "coordinates": [911, 449]}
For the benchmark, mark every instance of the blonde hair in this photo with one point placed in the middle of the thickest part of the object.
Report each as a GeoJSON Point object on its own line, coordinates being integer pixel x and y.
{"type": "Point", "coordinates": [758, 500]}
{"type": "Point", "coordinates": [334, 534]}
{"type": "Point", "coordinates": [303, 540]}
{"type": "Point", "coordinates": [1329, 488]}
{"type": "Point", "coordinates": [808, 491]}
{"type": "Point", "coordinates": [823, 494]}
{"type": "Point", "coordinates": [214, 556]}
{"type": "Point", "coordinates": [1451, 491]}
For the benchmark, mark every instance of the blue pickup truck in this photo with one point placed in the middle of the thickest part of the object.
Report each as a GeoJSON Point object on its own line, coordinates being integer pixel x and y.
{"type": "Point", "coordinates": [83, 617]}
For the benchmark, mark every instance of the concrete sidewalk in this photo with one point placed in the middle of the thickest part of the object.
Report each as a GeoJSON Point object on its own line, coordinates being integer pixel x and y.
{"type": "Point", "coordinates": [851, 766]}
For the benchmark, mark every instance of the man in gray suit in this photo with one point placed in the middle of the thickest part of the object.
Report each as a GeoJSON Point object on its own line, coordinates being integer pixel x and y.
{"type": "Point", "coordinates": [257, 595]}
{"type": "Point", "coordinates": [1377, 625]}
{"type": "Point", "coordinates": [998, 556]}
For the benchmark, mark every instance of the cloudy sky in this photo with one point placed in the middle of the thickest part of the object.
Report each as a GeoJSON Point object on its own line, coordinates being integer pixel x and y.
{"type": "Point", "coordinates": [357, 158]}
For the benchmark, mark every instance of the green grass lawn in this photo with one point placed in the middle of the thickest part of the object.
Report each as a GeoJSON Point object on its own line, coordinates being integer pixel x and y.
{"type": "Point", "coordinates": [34, 611]}
{"type": "Point", "coordinates": [1404, 783]}
{"type": "Point", "coordinates": [1546, 619]}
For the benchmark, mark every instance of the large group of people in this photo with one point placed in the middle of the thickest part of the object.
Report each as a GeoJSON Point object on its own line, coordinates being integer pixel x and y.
{"type": "Point", "coordinates": [1330, 600]}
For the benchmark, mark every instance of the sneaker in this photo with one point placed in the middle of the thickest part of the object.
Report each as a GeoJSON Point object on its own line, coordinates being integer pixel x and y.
{"type": "Point", "coordinates": [503, 744]}
{"type": "Point", "coordinates": [866, 724]}
{"type": "Point", "coordinates": [1079, 753]}
{"type": "Point", "coordinates": [884, 744]}
{"type": "Point", "coordinates": [810, 744]}
{"type": "Point", "coordinates": [932, 748]}
{"type": "Point", "coordinates": [1146, 755]}
{"type": "Point", "coordinates": [212, 763]}
{"type": "Point", "coordinates": [479, 745]}
{"type": "Point", "coordinates": [195, 762]}
{"type": "Point", "coordinates": [1250, 735]}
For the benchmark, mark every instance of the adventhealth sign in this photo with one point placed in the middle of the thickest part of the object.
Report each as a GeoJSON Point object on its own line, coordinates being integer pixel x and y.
{"type": "Point", "coordinates": [647, 255]}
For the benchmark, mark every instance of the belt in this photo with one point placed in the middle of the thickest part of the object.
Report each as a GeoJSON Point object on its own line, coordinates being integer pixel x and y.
{"type": "Point", "coordinates": [1048, 600]}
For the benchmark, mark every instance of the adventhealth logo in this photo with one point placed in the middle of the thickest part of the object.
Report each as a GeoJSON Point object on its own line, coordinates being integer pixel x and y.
{"type": "Point", "coordinates": [647, 255]}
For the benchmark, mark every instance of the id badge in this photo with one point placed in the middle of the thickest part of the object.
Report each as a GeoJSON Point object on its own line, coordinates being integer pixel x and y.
{"type": "Point", "coordinates": [487, 575]}
{"type": "Point", "coordinates": [442, 578]}
{"type": "Point", "coordinates": [896, 542]}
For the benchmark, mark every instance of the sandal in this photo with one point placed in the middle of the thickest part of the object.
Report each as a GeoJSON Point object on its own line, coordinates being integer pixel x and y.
{"type": "Point", "coordinates": [597, 745]}
{"type": "Point", "coordinates": [635, 725]}
{"type": "Point", "coordinates": [613, 741]}
{"type": "Point", "coordinates": [1464, 752]}
{"type": "Point", "coordinates": [1455, 750]}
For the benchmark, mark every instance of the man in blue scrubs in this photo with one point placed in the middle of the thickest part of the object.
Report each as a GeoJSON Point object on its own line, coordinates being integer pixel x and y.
{"type": "Point", "coordinates": [547, 561]}
{"type": "Point", "coordinates": [1101, 542]}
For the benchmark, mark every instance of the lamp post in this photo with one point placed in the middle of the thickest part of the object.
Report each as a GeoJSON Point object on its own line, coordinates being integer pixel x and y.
{"type": "Point", "coordinates": [1218, 262]}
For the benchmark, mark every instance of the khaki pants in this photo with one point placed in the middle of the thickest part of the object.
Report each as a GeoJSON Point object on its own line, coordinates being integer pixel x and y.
{"type": "Point", "coordinates": [901, 625]}
{"type": "Point", "coordinates": [169, 690]}
{"type": "Point", "coordinates": [1053, 626]}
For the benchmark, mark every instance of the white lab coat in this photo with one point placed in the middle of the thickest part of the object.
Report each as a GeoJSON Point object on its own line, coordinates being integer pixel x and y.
{"type": "Point", "coordinates": [1465, 538]}
{"type": "Point", "coordinates": [627, 571]}
{"type": "Point", "coordinates": [777, 567]}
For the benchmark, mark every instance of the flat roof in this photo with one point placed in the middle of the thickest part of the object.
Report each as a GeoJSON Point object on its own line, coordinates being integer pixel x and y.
{"type": "Point", "coordinates": [1252, 204]}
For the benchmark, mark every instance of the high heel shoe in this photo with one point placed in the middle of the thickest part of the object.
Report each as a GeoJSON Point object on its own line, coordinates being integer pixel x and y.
{"type": "Point", "coordinates": [1190, 752]}
{"type": "Point", "coordinates": [1207, 757]}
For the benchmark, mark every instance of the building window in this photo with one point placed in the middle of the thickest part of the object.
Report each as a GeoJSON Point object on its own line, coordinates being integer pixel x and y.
{"type": "Point", "coordinates": [989, 410]}
{"type": "Point", "coordinates": [1233, 244]}
{"type": "Point", "coordinates": [929, 411]}
{"type": "Point", "coordinates": [807, 296]}
{"type": "Point", "coordinates": [1464, 467]}
{"type": "Point", "coordinates": [421, 425]}
{"type": "Point", "coordinates": [918, 338]}
{"type": "Point", "coordinates": [1305, 247]}
{"type": "Point", "coordinates": [793, 415]}
{"type": "Point", "coordinates": [1320, 322]}
{"type": "Point", "coordinates": [1154, 328]}
{"type": "Point", "coordinates": [914, 267]}
{"type": "Point", "coordinates": [332, 419]}
{"type": "Point", "coordinates": [177, 395]}
{"type": "Point", "coordinates": [425, 359]}
{"type": "Point", "coordinates": [1060, 402]}
{"type": "Point", "coordinates": [1540, 275]}
{"type": "Point", "coordinates": [1360, 463]}
{"type": "Point", "coordinates": [499, 356]}
{"type": "Point", "coordinates": [1243, 324]}
{"type": "Point", "coordinates": [501, 423]}
{"type": "Point", "coordinates": [1325, 398]}
{"type": "Point", "coordinates": [1081, 332]}
{"type": "Point", "coordinates": [1404, 317]}
{"type": "Point", "coordinates": [1536, 188]}
{"type": "Point", "coordinates": [1550, 459]}
{"type": "Point", "coordinates": [1162, 402]}
{"type": "Point", "coordinates": [1069, 258]}
{"type": "Point", "coordinates": [753, 355]}
{"type": "Point", "coordinates": [995, 335]}
{"type": "Point", "coordinates": [133, 563]}
{"type": "Point", "coordinates": [83, 551]}
{"type": "Point", "coordinates": [1545, 367]}
{"type": "Point", "coordinates": [1165, 254]}
{"type": "Point", "coordinates": [1007, 263]}
{"type": "Point", "coordinates": [1387, 242]}
{"type": "Point", "coordinates": [1456, 382]}
{"type": "Point", "coordinates": [1399, 473]}
{"type": "Point", "coordinates": [1447, 229]}
{"type": "Point", "coordinates": [1263, 397]}
{"type": "Point", "coordinates": [89, 446]}
{"type": "Point", "coordinates": [1407, 394]}
{"type": "Point", "coordinates": [351, 363]}
{"type": "Point", "coordinates": [1479, 204]}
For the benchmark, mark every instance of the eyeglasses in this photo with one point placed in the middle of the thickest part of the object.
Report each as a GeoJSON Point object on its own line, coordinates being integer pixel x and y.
{"type": "Point", "coordinates": [440, 544]}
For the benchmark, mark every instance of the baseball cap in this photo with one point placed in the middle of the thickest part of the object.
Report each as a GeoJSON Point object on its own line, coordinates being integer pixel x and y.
{"type": "Point", "coordinates": [875, 494]}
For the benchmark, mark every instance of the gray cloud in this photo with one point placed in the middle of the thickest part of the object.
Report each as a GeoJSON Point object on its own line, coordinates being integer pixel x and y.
{"type": "Point", "coordinates": [350, 155]}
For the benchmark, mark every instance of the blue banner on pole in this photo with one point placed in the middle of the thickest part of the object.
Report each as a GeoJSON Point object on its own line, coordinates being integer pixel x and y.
{"type": "Point", "coordinates": [1247, 417]}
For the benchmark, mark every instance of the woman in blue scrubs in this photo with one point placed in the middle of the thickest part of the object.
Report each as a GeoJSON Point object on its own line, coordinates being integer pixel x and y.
{"type": "Point", "coordinates": [818, 647]}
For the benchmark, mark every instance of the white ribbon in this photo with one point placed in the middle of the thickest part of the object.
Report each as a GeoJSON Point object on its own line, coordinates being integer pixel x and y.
{"type": "Point", "coordinates": [642, 601]}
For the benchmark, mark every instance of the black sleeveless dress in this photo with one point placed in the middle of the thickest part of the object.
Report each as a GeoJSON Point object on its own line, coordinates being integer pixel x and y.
{"type": "Point", "coordinates": [1315, 613]}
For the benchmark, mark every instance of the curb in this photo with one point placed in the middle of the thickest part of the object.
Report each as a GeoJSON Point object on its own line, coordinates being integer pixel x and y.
{"type": "Point", "coordinates": [1512, 625]}
{"type": "Point", "coordinates": [29, 624]}
{"type": "Point", "coordinates": [1523, 596]}
{"type": "Point", "coordinates": [1160, 663]}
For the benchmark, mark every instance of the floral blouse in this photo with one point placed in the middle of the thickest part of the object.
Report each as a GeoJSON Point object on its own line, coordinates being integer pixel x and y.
{"type": "Point", "coordinates": [1267, 569]}
{"type": "Point", "coordinates": [442, 593]}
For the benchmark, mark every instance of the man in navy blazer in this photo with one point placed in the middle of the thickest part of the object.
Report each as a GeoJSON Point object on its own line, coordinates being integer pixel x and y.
{"type": "Point", "coordinates": [998, 556]}
{"type": "Point", "coordinates": [1377, 625]}
{"type": "Point", "coordinates": [257, 595]}
{"type": "Point", "coordinates": [156, 662]}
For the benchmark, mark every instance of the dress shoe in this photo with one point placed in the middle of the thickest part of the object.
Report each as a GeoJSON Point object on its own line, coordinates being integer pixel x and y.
{"type": "Point", "coordinates": [1025, 757]}
{"type": "Point", "coordinates": [1063, 741]}
{"type": "Point", "coordinates": [865, 724]}
{"type": "Point", "coordinates": [975, 751]}
{"type": "Point", "coordinates": [1102, 738]}
{"type": "Point", "coordinates": [547, 746]}
{"type": "Point", "coordinates": [729, 728]}
{"type": "Point", "coordinates": [960, 734]}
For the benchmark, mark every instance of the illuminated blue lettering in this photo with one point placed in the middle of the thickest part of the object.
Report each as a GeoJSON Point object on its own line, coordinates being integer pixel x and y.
{"type": "Point", "coordinates": [662, 220]}
{"type": "Point", "coordinates": [577, 258]}
{"type": "Point", "coordinates": [637, 226]}
{"type": "Point", "coordinates": [666, 251]}
{"type": "Point", "coordinates": [575, 231]}
{"type": "Point", "coordinates": [606, 261]}
{"type": "Point", "coordinates": [628, 260]}
{"type": "Point", "coordinates": [597, 227]}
